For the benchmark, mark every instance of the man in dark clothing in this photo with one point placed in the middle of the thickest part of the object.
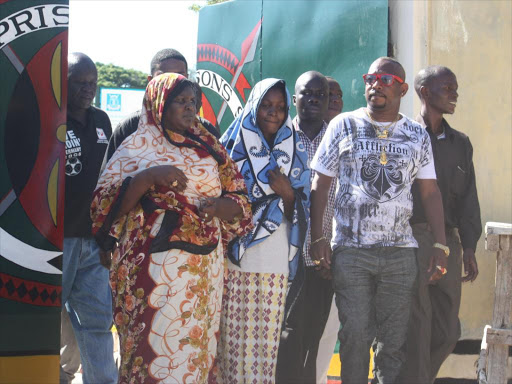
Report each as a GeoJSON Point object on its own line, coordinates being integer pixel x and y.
{"type": "Point", "coordinates": [85, 282]}
{"type": "Point", "coordinates": [296, 362]}
{"type": "Point", "coordinates": [434, 326]}
{"type": "Point", "coordinates": [335, 99]}
{"type": "Point", "coordinates": [166, 60]}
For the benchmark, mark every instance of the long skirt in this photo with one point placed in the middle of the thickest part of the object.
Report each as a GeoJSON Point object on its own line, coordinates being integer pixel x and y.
{"type": "Point", "coordinates": [167, 314]}
{"type": "Point", "coordinates": [252, 313]}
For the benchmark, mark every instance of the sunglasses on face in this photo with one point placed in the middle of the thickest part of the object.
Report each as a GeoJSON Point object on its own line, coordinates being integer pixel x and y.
{"type": "Point", "coordinates": [385, 79]}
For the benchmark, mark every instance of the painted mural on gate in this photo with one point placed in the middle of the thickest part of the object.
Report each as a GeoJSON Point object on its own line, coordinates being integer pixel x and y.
{"type": "Point", "coordinates": [242, 42]}
{"type": "Point", "coordinates": [33, 65]}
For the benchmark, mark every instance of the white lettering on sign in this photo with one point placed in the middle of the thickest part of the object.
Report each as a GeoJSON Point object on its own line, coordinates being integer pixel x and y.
{"type": "Point", "coordinates": [33, 19]}
{"type": "Point", "coordinates": [217, 84]}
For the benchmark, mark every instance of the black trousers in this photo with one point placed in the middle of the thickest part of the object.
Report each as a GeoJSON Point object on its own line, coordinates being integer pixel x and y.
{"type": "Point", "coordinates": [298, 347]}
{"type": "Point", "coordinates": [434, 327]}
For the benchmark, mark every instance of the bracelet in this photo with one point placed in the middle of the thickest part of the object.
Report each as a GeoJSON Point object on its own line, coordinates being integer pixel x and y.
{"type": "Point", "coordinates": [444, 248]}
{"type": "Point", "coordinates": [318, 240]}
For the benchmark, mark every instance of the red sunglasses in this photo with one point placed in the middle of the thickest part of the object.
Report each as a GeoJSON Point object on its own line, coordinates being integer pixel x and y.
{"type": "Point", "coordinates": [385, 79]}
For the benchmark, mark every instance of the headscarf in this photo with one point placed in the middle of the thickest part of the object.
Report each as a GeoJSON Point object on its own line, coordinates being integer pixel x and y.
{"type": "Point", "coordinates": [150, 146]}
{"type": "Point", "coordinates": [247, 146]}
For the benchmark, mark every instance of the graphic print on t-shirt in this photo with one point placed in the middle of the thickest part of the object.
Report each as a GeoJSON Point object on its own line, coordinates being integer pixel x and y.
{"type": "Point", "coordinates": [382, 182]}
{"type": "Point", "coordinates": [73, 154]}
{"type": "Point", "coordinates": [102, 138]}
{"type": "Point", "coordinates": [373, 199]}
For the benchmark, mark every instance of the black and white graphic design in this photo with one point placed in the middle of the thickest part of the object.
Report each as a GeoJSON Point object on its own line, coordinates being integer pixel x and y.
{"type": "Point", "coordinates": [73, 154]}
{"type": "Point", "coordinates": [382, 182]}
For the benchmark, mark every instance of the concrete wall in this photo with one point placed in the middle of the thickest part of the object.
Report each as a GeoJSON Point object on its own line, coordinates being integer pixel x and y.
{"type": "Point", "coordinates": [473, 38]}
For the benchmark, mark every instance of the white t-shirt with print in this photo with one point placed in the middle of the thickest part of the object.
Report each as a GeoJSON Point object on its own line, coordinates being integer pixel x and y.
{"type": "Point", "coordinates": [373, 201]}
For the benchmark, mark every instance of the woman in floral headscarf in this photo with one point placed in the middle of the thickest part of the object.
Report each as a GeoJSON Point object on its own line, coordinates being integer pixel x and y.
{"type": "Point", "coordinates": [172, 200]}
{"type": "Point", "coordinates": [273, 161]}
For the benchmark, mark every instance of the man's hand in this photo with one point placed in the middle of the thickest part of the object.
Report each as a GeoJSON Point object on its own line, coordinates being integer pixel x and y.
{"type": "Point", "coordinates": [437, 264]}
{"type": "Point", "coordinates": [470, 265]}
{"type": "Point", "coordinates": [321, 251]}
{"type": "Point", "coordinates": [324, 273]}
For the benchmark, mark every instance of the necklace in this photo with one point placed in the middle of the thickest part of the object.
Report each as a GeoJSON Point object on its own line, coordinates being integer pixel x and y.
{"type": "Point", "coordinates": [382, 133]}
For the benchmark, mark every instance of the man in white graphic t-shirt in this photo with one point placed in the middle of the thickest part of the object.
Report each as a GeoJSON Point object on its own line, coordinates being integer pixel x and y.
{"type": "Point", "coordinates": [376, 154]}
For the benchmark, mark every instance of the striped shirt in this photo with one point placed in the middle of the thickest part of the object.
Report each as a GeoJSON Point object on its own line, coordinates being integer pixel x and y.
{"type": "Point", "coordinates": [311, 148]}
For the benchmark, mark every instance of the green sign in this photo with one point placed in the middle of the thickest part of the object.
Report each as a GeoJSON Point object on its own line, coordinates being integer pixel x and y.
{"type": "Point", "coordinates": [242, 42]}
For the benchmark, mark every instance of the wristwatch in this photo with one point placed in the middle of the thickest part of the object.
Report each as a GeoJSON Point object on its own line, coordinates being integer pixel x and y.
{"type": "Point", "coordinates": [445, 249]}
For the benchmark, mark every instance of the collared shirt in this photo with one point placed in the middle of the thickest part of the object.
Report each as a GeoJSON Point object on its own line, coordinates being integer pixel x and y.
{"type": "Point", "coordinates": [373, 203]}
{"type": "Point", "coordinates": [453, 158]}
{"type": "Point", "coordinates": [311, 146]}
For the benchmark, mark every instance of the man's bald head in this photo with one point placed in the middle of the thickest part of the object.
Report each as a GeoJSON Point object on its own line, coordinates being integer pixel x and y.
{"type": "Point", "coordinates": [425, 76]}
{"type": "Point", "coordinates": [82, 81]}
{"type": "Point", "coordinates": [383, 99]}
{"type": "Point", "coordinates": [389, 65]}
{"type": "Point", "coordinates": [79, 62]}
{"type": "Point", "coordinates": [307, 76]}
{"type": "Point", "coordinates": [311, 97]}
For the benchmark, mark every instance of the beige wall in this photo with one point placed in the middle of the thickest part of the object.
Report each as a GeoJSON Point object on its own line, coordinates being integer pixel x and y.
{"type": "Point", "coordinates": [473, 38]}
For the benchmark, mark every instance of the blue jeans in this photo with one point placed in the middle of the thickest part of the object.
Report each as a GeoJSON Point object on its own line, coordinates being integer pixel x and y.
{"type": "Point", "coordinates": [88, 299]}
{"type": "Point", "coordinates": [373, 290]}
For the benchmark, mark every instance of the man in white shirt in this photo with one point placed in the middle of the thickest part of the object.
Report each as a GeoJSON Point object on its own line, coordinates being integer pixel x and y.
{"type": "Point", "coordinates": [376, 154]}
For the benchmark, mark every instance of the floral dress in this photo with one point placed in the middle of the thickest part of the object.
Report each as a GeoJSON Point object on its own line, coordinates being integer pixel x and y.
{"type": "Point", "coordinates": [167, 269]}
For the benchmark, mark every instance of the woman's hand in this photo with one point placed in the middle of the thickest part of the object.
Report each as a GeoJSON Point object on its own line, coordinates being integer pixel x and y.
{"type": "Point", "coordinates": [280, 184]}
{"type": "Point", "coordinates": [221, 207]}
{"type": "Point", "coordinates": [167, 175]}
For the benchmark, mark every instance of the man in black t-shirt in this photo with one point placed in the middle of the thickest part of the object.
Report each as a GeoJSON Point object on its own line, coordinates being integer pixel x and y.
{"type": "Point", "coordinates": [166, 60]}
{"type": "Point", "coordinates": [85, 282]}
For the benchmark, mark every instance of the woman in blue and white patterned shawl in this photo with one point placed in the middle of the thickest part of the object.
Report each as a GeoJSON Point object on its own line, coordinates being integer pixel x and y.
{"type": "Point", "coordinates": [273, 162]}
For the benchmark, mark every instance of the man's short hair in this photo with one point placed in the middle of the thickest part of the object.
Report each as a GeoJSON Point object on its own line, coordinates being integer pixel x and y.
{"type": "Point", "coordinates": [166, 54]}
{"type": "Point", "coordinates": [425, 75]}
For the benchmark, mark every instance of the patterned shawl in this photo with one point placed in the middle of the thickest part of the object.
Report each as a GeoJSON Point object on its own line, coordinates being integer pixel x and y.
{"type": "Point", "coordinates": [248, 148]}
{"type": "Point", "coordinates": [150, 146]}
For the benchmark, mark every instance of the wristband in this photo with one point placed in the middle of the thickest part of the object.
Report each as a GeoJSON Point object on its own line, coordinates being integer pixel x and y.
{"type": "Point", "coordinates": [318, 240]}
{"type": "Point", "coordinates": [443, 248]}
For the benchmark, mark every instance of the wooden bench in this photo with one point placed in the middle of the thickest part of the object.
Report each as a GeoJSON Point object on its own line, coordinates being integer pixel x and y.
{"type": "Point", "coordinates": [492, 365]}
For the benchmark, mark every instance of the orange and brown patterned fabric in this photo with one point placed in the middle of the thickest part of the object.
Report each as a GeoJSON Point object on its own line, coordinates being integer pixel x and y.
{"type": "Point", "coordinates": [167, 270]}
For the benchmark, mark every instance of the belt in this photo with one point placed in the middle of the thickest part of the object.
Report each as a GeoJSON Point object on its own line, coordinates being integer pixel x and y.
{"type": "Point", "coordinates": [449, 231]}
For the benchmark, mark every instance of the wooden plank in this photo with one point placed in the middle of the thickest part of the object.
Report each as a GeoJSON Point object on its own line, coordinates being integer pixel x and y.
{"type": "Point", "coordinates": [481, 366]}
{"type": "Point", "coordinates": [492, 243]}
{"type": "Point", "coordinates": [498, 353]}
{"type": "Point", "coordinates": [493, 228]}
{"type": "Point", "coordinates": [502, 313]}
{"type": "Point", "coordinates": [497, 364]}
{"type": "Point", "coordinates": [499, 336]}
{"type": "Point", "coordinates": [505, 242]}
